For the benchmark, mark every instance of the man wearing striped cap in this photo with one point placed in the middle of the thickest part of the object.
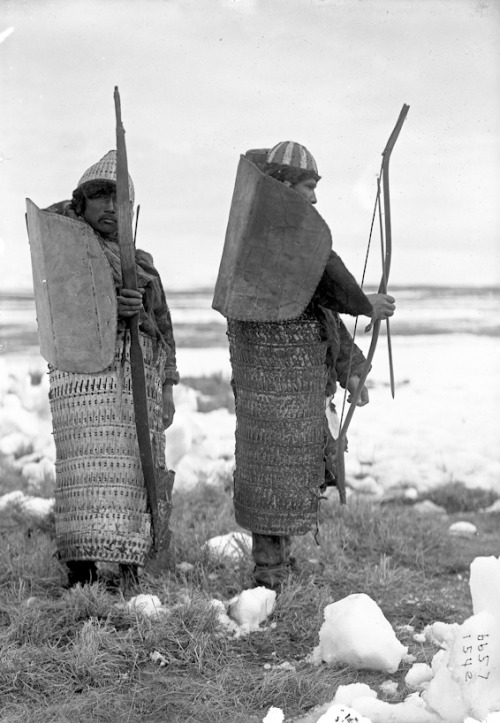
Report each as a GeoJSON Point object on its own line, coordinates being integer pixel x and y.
{"type": "Point", "coordinates": [288, 154]}
{"type": "Point", "coordinates": [281, 288]}
{"type": "Point", "coordinates": [102, 512]}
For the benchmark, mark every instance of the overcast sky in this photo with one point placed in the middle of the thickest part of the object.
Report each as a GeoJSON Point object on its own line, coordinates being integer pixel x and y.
{"type": "Point", "coordinates": [201, 81]}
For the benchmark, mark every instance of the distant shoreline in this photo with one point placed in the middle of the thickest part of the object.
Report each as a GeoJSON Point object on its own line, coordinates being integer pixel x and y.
{"type": "Point", "coordinates": [421, 311]}
{"type": "Point", "coordinates": [27, 293]}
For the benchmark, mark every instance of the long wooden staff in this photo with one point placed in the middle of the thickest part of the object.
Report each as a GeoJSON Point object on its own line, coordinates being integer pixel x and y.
{"type": "Point", "coordinates": [129, 277]}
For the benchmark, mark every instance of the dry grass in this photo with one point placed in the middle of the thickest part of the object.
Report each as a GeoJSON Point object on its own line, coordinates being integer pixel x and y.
{"type": "Point", "coordinates": [73, 655]}
{"type": "Point", "coordinates": [456, 497]}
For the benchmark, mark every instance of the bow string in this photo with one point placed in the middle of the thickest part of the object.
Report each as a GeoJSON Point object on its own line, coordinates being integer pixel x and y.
{"type": "Point", "coordinates": [386, 246]}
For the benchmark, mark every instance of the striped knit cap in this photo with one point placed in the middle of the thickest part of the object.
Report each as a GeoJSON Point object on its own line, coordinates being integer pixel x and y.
{"type": "Point", "coordinates": [105, 170]}
{"type": "Point", "coordinates": [289, 153]}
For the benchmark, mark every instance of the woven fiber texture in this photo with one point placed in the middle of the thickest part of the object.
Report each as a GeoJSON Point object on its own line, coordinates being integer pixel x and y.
{"type": "Point", "coordinates": [290, 153]}
{"type": "Point", "coordinates": [279, 378]}
{"type": "Point", "coordinates": [101, 504]}
{"type": "Point", "coordinates": [105, 170]}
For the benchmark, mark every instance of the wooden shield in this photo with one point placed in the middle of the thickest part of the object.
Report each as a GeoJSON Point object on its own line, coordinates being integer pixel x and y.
{"type": "Point", "coordinates": [75, 295]}
{"type": "Point", "coordinates": [275, 251]}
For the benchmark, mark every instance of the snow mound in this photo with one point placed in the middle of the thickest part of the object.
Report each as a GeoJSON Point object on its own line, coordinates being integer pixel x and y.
{"type": "Point", "coordinates": [26, 510]}
{"type": "Point", "coordinates": [234, 545]}
{"type": "Point", "coordinates": [147, 605]}
{"type": "Point", "coordinates": [252, 607]}
{"type": "Point", "coordinates": [357, 633]}
{"type": "Point", "coordinates": [463, 529]}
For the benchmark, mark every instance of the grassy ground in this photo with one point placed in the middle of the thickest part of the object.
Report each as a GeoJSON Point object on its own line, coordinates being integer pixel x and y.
{"type": "Point", "coordinates": [73, 655]}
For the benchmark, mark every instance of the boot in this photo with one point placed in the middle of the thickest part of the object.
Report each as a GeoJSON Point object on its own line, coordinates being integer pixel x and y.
{"type": "Point", "coordinates": [273, 562]}
{"type": "Point", "coordinates": [129, 577]}
{"type": "Point", "coordinates": [81, 572]}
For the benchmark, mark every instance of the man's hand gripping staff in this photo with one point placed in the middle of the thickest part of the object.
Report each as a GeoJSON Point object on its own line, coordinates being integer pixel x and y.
{"type": "Point", "coordinates": [386, 267]}
{"type": "Point", "coordinates": [127, 254]}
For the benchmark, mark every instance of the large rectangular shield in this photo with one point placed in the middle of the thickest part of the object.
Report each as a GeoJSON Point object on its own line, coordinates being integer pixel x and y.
{"type": "Point", "coordinates": [75, 295]}
{"type": "Point", "coordinates": [275, 251]}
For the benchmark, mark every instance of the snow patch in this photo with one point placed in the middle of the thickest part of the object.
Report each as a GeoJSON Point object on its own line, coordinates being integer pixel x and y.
{"type": "Point", "coordinates": [357, 633]}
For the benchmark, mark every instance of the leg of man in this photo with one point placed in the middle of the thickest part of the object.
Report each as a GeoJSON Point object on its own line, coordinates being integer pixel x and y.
{"type": "Point", "coordinates": [81, 571]}
{"type": "Point", "coordinates": [271, 554]}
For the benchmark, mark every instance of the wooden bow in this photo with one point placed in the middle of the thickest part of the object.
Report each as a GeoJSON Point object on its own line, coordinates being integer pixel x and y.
{"type": "Point", "coordinates": [129, 276]}
{"type": "Point", "coordinates": [386, 267]}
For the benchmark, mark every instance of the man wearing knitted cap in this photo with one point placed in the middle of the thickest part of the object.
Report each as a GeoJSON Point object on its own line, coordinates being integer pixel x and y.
{"type": "Point", "coordinates": [101, 502]}
{"type": "Point", "coordinates": [281, 288]}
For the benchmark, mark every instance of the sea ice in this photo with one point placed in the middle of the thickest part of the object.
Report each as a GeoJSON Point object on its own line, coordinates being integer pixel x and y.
{"type": "Point", "coordinates": [37, 472]}
{"type": "Point", "coordinates": [10, 498]}
{"type": "Point", "coordinates": [423, 452]}
{"type": "Point", "coordinates": [494, 508]}
{"type": "Point", "coordinates": [418, 676]}
{"type": "Point", "coordinates": [389, 688]}
{"type": "Point", "coordinates": [347, 694]}
{"type": "Point", "coordinates": [148, 605]}
{"type": "Point", "coordinates": [179, 437]}
{"type": "Point", "coordinates": [14, 418]}
{"type": "Point", "coordinates": [485, 584]}
{"type": "Point", "coordinates": [411, 710]}
{"type": "Point", "coordinates": [274, 715]}
{"type": "Point", "coordinates": [157, 657]}
{"type": "Point", "coordinates": [463, 528]}
{"type": "Point", "coordinates": [466, 672]}
{"type": "Point", "coordinates": [252, 607]}
{"type": "Point", "coordinates": [429, 508]}
{"type": "Point", "coordinates": [357, 633]}
{"type": "Point", "coordinates": [234, 545]}
{"type": "Point", "coordinates": [27, 509]}
{"type": "Point", "coordinates": [440, 634]}
{"type": "Point", "coordinates": [363, 701]}
{"type": "Point", "coordinates": [342, 714]}
{"type": "Point", "coordinates": [229, 625]}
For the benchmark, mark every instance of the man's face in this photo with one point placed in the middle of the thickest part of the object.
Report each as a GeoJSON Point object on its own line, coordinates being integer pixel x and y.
{"type": "Point", "coordinates": [307, 189]}
{"type": "Point", "coordinates": [100, 213]}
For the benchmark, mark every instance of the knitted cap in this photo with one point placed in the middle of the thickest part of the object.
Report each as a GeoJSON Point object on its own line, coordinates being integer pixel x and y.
{"type": "Point", "coordinates": [289, 153]}
{"type": "Point", "coordinates": [105, 170]}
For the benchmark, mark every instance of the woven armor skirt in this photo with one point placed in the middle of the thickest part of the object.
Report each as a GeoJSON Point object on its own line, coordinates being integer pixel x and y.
{"type": "Point", "coordinates": [101, 504]}
{"type": "Point", "coordinates": [279, 379]}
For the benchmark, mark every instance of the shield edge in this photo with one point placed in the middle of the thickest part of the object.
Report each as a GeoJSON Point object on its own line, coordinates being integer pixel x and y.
{"type": "Point", "coordinates": [73, 337]}
{"type": "Point", "coordinates": [234, 297]}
